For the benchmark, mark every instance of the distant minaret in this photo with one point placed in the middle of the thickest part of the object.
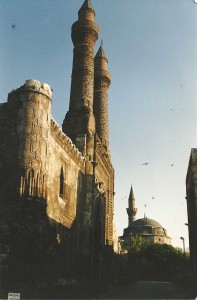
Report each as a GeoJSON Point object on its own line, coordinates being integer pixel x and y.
{"type": "Point", "coordinates": [131, 210]}
{"type": "Point", "coordinates": [80, 119]}
{"type": "Point", "coordinates": [102, 80]}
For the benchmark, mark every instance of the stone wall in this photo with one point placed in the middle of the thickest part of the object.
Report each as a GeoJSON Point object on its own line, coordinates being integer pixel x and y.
{"type": "Point", "coordinates": [65, 177]}
{"type": "Point", "coordinates": [43, 173]}
{"type": "Point", "coordinates": [105, 177]}
{"type": "Point", "coordinates": [191, 192]}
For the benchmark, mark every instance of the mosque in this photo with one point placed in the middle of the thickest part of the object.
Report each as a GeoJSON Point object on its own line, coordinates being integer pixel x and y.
{"type": "Point", "coordinates": [150, 230]}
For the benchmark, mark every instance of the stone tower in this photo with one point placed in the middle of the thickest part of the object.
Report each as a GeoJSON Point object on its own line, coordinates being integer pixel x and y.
{"type": "Point", "coordinates": [33, 131]}
{"type": "Point", "coordinates": [32, 106]}
{"type": "Point", "coordinates": [79, 122]}
{"type": "Point", "coordinates": [131, 210]}
{"type": "Point", "coordinates": [102, 80]}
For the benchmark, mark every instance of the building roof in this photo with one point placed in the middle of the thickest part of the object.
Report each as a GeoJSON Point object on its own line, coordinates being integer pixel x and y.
{"type": "Point", "coordinates": [145, 226]}
{"type": "Point", "coordinates": [147, 222]}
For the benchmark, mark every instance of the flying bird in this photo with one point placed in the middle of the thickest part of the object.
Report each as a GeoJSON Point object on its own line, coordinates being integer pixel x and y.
{"type": "Point", "coordinates": [172, 165]}
{"type": "Point", "coordinates": [13, 26]}
{"type": "Point", "coordinates": [145, 164]}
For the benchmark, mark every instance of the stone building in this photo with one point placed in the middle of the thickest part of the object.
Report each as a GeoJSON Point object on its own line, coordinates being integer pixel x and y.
{"type": "Point", "coordinates": [58, 184]}
{"type": "Point", "coordinates": [191, 197]}
{"type": "Point", "coordinates": [149, 230]}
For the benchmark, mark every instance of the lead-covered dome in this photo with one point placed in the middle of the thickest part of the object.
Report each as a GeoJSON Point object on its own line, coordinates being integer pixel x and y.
{"type": "Point", "coordinates": [150, 230]}
{"type": "Point", "coordinates": [146, 221]}
{"type": "Point", "coordinates": [147, 226]}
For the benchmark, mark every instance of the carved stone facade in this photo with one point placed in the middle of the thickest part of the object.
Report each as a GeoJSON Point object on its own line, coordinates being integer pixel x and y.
{"type": "Point", "coordinates": [65, 175]}
{"type": "Point", "coordinates": [191, 192]}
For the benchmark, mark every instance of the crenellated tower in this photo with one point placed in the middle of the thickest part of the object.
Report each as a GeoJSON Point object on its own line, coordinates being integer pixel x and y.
{"type": "Point", "coordinates": [102, 81]}
{"type": "Point", "coordinates": [131, 210]}
{"type": "Point", "coordinates": [80, 120]}
{"type": "Point", "coordinates": [33, 134]}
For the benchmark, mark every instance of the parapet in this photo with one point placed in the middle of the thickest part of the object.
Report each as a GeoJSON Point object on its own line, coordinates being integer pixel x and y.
{"type": "Point", "coordinates": [66, 142]}
{"type": "Point", "coordinates": [36, 85]}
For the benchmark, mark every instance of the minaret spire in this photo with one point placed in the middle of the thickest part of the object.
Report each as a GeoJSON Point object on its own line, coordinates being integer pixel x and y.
{"type": "Point", "coordinates": [131, 210]}
{"type": "Point", "coordinates": [87, 5]}
{"type": "Point", "coordinates": [86, 10]}
{"type": "Point", "coordinates": [102, 81]}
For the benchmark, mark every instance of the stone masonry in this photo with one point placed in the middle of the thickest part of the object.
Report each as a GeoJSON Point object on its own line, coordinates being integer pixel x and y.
{"type": "Point", "coordinates": [67, 170]}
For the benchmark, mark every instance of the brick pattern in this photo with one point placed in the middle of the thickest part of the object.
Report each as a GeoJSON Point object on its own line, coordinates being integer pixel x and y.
{"type": "Point", "coordinates": [80, 118]}
{"type": "Point", "coordinates": [101, 116]}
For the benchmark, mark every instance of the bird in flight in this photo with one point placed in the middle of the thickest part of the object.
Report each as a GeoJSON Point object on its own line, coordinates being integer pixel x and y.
{"type": "Point", "coordinates": [145, 164]}
{"type": "Point", "coordinates": [13, 26]}
{"type": "Point", "coordinates": [172, 165]}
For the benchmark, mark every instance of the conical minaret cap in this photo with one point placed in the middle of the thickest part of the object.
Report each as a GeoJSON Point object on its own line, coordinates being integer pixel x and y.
{"type": "Point", "coordinates": [87, 5]}
{"type": "Point", "coordinates": [100, 53]}
{"type": "Point", "coordinates": [131, 210]}
{"type": "Point", "coordinates": [131, 197]}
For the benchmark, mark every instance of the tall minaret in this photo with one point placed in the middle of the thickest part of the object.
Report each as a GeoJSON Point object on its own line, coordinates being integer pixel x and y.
{"type": "Point", "coordinates": [80, 120]}
{"type": "Point", "coordinates": [102, 80]}
{"type": "Point", "coordinates": [131, 210]}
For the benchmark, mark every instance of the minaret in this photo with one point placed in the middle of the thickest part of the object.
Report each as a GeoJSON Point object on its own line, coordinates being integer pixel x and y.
{"type": "Point", "coordinates": [131, 210]}
{"type": "Point", "coordinates": [80, 120]}
{"type": "Point", "coordinates": [102, 80]}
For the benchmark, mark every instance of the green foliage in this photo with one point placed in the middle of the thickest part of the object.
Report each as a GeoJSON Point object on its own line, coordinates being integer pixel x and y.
{"type": "Point", "coordinates": [137, 243]}
{"type": "Point", "coordinates": [133, 244]}
{"type": "Point", "coordinates": [157, 262]}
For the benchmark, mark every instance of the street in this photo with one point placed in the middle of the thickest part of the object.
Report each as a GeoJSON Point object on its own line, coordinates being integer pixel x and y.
{"type": "Point", "coordinates": [148, 290]}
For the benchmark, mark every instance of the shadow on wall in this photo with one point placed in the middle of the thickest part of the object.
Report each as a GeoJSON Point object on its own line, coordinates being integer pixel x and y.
{"type": "Point", "coordinates": [37, 253]}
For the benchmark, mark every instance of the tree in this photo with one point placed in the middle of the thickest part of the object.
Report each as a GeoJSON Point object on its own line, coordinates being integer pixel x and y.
{"type": "Point", "coordinates": [161, 262]}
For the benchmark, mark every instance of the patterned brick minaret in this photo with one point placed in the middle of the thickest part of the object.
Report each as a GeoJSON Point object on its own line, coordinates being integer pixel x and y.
{"type": "Point", "coordinates": [80, 120]}
{"type": "Point", "coordinates": [102, 80]}
{"type": "Point", "coordinates": [131, 210]}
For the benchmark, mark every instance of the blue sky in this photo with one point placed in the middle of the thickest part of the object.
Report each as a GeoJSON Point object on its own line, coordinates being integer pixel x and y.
{"type": "Point", "coordinates": [151, 48]}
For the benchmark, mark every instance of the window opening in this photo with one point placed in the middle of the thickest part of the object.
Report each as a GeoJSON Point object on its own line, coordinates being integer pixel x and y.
{"type": "Point", "coordinates": [61, 191]}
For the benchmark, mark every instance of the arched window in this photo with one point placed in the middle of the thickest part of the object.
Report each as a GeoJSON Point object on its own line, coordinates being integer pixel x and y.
{"type": "Point", "coordinates": [61, 190]}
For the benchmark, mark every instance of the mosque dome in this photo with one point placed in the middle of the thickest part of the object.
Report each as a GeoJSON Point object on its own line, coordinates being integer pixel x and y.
{"type": "Point", "coordinates": [147, 226]}
{"type": "Point", "coordinates": [150, 230]}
